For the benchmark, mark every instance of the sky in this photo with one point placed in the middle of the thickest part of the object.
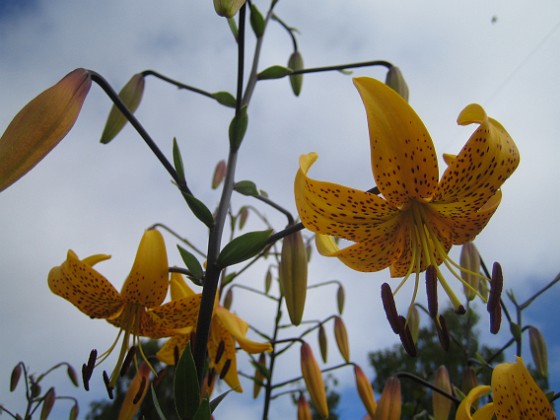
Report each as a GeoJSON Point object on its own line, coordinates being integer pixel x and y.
{"type": "Point", "coordinates": [97, 198]}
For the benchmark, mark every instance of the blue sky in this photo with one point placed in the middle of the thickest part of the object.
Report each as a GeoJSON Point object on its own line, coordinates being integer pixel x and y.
{"type": "Point", "coordinates": [94, 198]}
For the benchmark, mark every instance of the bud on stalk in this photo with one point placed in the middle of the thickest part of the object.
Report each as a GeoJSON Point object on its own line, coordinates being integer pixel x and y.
{"type": "Point", "coordinates": [313, 380]}
{"type": "Point", "coordinates": [293, 275]}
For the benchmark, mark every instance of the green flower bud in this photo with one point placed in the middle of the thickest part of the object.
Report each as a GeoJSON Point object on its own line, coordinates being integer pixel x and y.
{"type": "Point", "coordinates": [293, 275]}
{"type": "Point", "coordinates": [323, 343]}
{"type": "Point", "coordinates": [539, 351]}
{"type": "Point", "coordinates": [395, 80]}
{"type": "Point", "coordinates": [470, 260]}
{"type": "Point", "coordinates": [295, 62]}
{"type": "Point", "coordinates": [440, 403]}
{"type": "Point", "coordinates": [228, 8]}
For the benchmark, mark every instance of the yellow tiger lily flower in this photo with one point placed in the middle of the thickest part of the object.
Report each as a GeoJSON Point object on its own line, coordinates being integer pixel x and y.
{"type": "Point", "coordinates": [226, 329]}
{"type": "Point", "coordinates": [416, 218]}
{"type": "Point", "coordinates": [515, 396]}
{"type": "Point", "coordinates": [137, 310]}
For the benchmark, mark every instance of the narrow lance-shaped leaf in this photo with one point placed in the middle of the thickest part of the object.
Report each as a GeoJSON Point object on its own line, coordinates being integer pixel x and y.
{"type": "Point", "coordinates": [131, 95]}
{"type": "Point", "coordinates": [41, 125]}
{"type": "Point", "coordinates": [243, 247]}
{"type": "Point", "coordinates": [192, 264]}
{"type": "Point", "coordinates": [186, 389]}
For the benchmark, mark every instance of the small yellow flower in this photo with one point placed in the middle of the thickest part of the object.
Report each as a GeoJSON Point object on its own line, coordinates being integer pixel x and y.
{"type": "Point", "coordinates": [416, 218]}
{"type": "Point", "coordinates": [226, 329]}
{"type": "Point", "coordinates": [515, 395]}
{"type": "Point", "coordinates": [137, 310]}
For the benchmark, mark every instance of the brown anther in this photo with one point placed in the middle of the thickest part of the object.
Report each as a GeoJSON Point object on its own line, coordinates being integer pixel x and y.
{"type": "Point", "coordinates": [107, 382]}
{"type": "Point", "coordinates": [225, 369]}
{"type": "Point", "coordinates": [127, 360]}
{"type": "Point", "coordinates": [390, 308]}
{"type": "Point", "coordinates": [496, 318]}
{"type": "Point", "coordinates": [140, 392]}
{"type": "Point", "coordinates": [460, 310]}
{"type": "Point", "coordinates": [87, 369]}
{"type": "Point", "coordinates": [220, 352]}
{"type": "Point", "coordinates": [211, 376]}
{"type": "Point", "coordinates": [176, 355]}
{"type": "Point", "coordinates": [85, 377]}
{"type": "Point", "coordinates": [496, 287]}
{"type": "Point", "coordinates": [431, 291]}
{"type": "Point", "coordinates": [406, 339]}
{"type": "Point", "coordinates": [443, 333]}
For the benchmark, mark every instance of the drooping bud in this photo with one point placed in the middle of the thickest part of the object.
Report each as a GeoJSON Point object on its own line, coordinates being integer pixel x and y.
{"type": "Point", "coordinates": [414, 323]}
{"type": "Point", "coordinates": [365, 391]}
{"type": "Point", "coordinates": [293, 275]}
{"type": "Point", "coordinates": [390, 404]}
{"type": "Point", "coordinates": [539, 351]}
{"type": "Point", "coordinates": [469, 380]}
{"type": "Point", "coordinates": [267, 281]}
{"type": "Point", "coordinates": [137, 390]}
{"type": "Point", "coordinates": [41, 125]}
{"type": "Point", "coordinates": [395, 80]}
{"type": "Point", "coordinates": [72, 375]}
{"type": "Point", "coordinates": [440, 403]}
{"type": "Point", "coordinates": [48, 403]}
{"type": "Point", "coordinates": [228, 8]}
{"type": "Point", "coordinates": [313, 380]}
{"type": "Point", "coordinates": [303, 409]}
{"type": "Point", "coordinates": [295, 62]}
{"type": "Point", "coordinates": [131, 95]}
{"type": "Point", "coordinates": [74, 412]}
{"type": "Point", "coordinates": [243, 216]}
{"type": "Point", "coordinates": [341, 336]}
{"type": "Point", "coordinates": [259, 376]}
{"type": "Point", "coordinates": [219, 174]}
{"type": "Point", "coordinates": [323, 343]}
{"type": "Point", "coordinates": [228, 299]}
{"type": "Point", "coordinates": [470, 260]}
{"type": "Point", "coordinates": [16, 374]}
{"type": "Point", "coordinates": [340, 299]}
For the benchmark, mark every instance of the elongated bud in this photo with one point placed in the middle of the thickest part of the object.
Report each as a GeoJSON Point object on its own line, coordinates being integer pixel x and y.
{"type": "Point", "coordinates": [539, 351]}
{"type": "Point", "coordinates": [303, 409]}
{"type": "Point", "coordinates": [259, 376]}
{"type": "Point", "coordinates": [228, 299]}
{"type": "Point", "coordinates": [243, 216]}
{"type": "Point", "coordinates": [74, 412]}
{"type": "Point", "coordinates": [414, 323]}
{"type": "Point", "coordinates": [323, 343]}
{"type": "Point", "coordinates": [72, 375]}
{"type": "Point", "coordinates": [440, 403]}
{"type": "Point", "coordinates": [219, 174]}
{"type": "Point", "coordinates": [295, 62]}
{"type": "Point", "coordinates": [469, 380]}
{"type": "Point", "coordinates": [395, 80]}
{"type": "Point", "coordinates": [313, 380]}
{"type": "Point", "coordinates": [340, 299]}
{"type": "Point", "coordinates": [41, 125]}
{"type": "Point", "coordinates": [131, 95]}
{"type": "Point", "coordinates": [228, 8]}
{"type": "Point", "coordinates": [137, 390]}
{"type": "Point", "coordinates": [365, 391]}
{"type": "Point", "coordinates": [390, 404]}
{"type": "Point", "coordinates": [14, 379]}
{"type": "Point", "coordinates": [470, 260]}
{"type": "Point", "coordinates": [48, 403]}
{"type": "Point", "coordinates": [267, 281]}
{"type": "Point", "coordinates": [341, 336]}
{"type": "Point", "coordinates": [483, 289]}
{"type": "Point", "coordinates": [293, 275]}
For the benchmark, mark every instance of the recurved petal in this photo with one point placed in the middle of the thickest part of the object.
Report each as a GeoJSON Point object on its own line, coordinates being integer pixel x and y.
{"type": "Point", "coordinates": [77, 282]}
{"type": "Point", "coordinates": [403, 158]}
{"type": "Point", "coordinates": [172, 316]}
{"type": "Point", "coordinates": [179, 287]}
{"type": "Point", "coordinates": [464, 410]}
{"type": "Point", "coordinates": [336, 210]}
{"type": "Point", "coordinates": [221, 348]}
{"type": "Point", "coordinates": [41, 125]}
{"type": "Point", "coordinates": [488, 158]}
{"type": "Point", "coordinates": [238, 329]}
{"type": "Point", "coordinates": [147, 283]}
{"type": "Point", "coordinates": [517, 395]}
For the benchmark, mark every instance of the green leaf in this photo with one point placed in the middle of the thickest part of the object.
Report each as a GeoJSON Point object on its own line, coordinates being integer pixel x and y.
{"type": "Point", "coordinates": [246, 188]}
{"type": "Point", "coordinates": [243, 247]}
{"type": "Point", "coordinates": [204, 412]}
{"type": "Point", "coordinates": [238, 127]}
{"type": "Point", "coordinates": [199, 210]}
{"type": "Point", "coordinates": [192, 263]}
{"type": "Point", "coordinates": [159, 411]}
{"type": "Point", "coordinates": [274, 72]}
{"type": "Point", "coordinates": [225, 98]}
{"type": "Point", "coordinates": [216, 401]}
{"type": "Point", "coordinates": [228, 279]}
{"type": "Point", "coordinates": [178, 160]}
{"type": "Point", "coordinates": [186, 390]}
{"type": "Point", "coordinates": [257, 21]}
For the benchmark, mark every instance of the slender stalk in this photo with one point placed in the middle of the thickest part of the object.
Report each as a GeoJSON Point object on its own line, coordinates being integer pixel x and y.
{"type": "Point", "coordinates": [177, 84]}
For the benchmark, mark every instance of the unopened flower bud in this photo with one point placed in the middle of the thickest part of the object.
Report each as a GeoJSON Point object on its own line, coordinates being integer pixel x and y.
{"type": "Point", "coordinates": [341, 336]}
{"type": "Point", "coordinates": [303, 409]}
{"type": "Point", "coordinates": [228, 8]}
{"type": "Point", "coordinates": [267, 281]}
{"type": "Point", "coordinates": [313, 380]}
{"type": "Point", "coordinates": [470, 260]}
{"type": "Point", "coordinates": [48, 403]}
{"type": "Point", "coordinates": [74, 412]}
{"type": "Point", "coordinates": [72, 375]}
{"type": "Point", "coordinates": [340, 299]}
{"type": "Point", "coordinates": [414, 323]}
{"type": "Point", "coordinates": [259, 376]}
{"type": "Point", "coordinates": [295, 62]}
{"type": "Point", "coordinates": [395, 80]}
{"type": "Point", "coordinates": [219, 174]}
{"type": "Point", "coordinates": [243, 216]}
{"type": "Point", "coordinates": [14, 379]}
{"type": "Point", "coordinates": [539, 351]}
{"type": "Point", "coordinates": [293, 275]}
{"type": "Point", "coordinates": [440, 403]}
{"type": "Point", "coordinates": [131, 95]}
{"type": "Point", "coordinates": [228, 299]}
{"type": "Point", "coordinates": [323, 343]}
{"type": "Point", "coordinates": [390, 404]}
{"type": "Point", "coordinates": [469, 380]}
{"type": "Point", "coordinates": [365, 391]}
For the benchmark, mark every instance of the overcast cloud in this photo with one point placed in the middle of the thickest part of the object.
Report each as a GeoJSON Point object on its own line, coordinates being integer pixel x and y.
{"type": "Point", "coordinates": [98, 199]}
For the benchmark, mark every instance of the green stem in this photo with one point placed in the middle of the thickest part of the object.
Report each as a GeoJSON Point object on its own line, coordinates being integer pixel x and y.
{"type": "Point", "coordinates": [176, 83]}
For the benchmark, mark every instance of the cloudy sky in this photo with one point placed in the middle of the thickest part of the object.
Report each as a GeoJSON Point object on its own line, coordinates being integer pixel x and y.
{"type": "Point", "coordinates": [98, 199]}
